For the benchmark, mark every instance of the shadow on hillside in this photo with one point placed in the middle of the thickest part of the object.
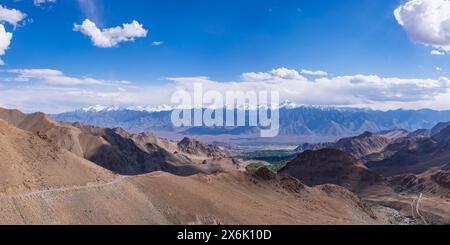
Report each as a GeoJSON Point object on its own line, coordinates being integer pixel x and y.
{"type": "Point", "coordinates": [123, 156]}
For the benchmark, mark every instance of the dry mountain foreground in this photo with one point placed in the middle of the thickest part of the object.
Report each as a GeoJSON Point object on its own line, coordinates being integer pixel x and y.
{"type": "Point", "coordinates": [54, 173]}
{"type": "Point", "coordinates": [408, 172]}
{"type": "Point", "coordinates": [121, 152]}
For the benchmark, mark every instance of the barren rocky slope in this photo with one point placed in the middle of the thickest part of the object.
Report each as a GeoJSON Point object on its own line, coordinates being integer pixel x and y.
{"type": "Point", "coordinates": [330, 166]}
{"type": "Point", "coordinates": [419, 199]}
{"type": "Point", "coordinates": [31, 163]}
{"type": "Point", "coordinates": [119, 151]}
{"type": "Point", "coordinates": [195, 147]}
{"type": "Point", "coordinates": [161, 198]}
{"type": "Point", "coordinates": [43, 183]}
{"type": "Point", "coordinates": [360, 146]}
{"type": "Point", "coordinates": [414, 155]}
{"type": "Point", "coordinates": [435, 182]}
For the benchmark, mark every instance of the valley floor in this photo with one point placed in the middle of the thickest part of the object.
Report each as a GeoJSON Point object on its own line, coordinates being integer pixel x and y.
{"type": "Point", "coordinates": [420, 208]}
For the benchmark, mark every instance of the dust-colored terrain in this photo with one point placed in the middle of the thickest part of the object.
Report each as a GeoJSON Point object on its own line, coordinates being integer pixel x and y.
{"type": "Point", "coordinates": [161, 198]}
{"type": "Point", "coordinates": [330, 166]}
{"type": "Point", "coordinates": [413, 154]}
{"type": "Point", "coordinates": [425, 197]}
{"type": "Point", "coordinates": [42, 182]}
{"type": "Point", "coordinates": [31, 163]}
{"type": "Point", "coordinates": [60, 173]}
{"type": "Point", "coordinates": [407, 198]}
{"type": "Point", "coordinates": [360, 146]}
{"type": "Point", "coordinates": [124, 153]}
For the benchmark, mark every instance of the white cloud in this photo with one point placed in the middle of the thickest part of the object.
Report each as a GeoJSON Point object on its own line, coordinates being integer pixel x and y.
{"type": "Point", "coordinates": [314, 73]}
{"type": "Point", "coordinates": [368, 90]}
{"type": "Point", "coordinates": [5, 41]}
{"type": "Point", "coordinates": [273, 76]}
{"type": "Point", "coordinates": [426, 21]}
{"type": "Point", "coordinates": [41, 2]}
{"type": "Point", "coordinates": [437, 53]}
{"type": "Point", "coordinates": [285, 73]}
{"type": "Point", "coordinates": [111, 37]}
{"type": "Point", "coordinates": [354, 91]}
{"type": "Point", "coordinates": [54, 99]}
{"type": "Point", "coordinates": [11, 16]}
{"type": "Point", "coordinates": [157, 43]}
{"type": "Point", "coordinates": [55, 77]}
{"type": "Point", "coordinates": [261, 76]}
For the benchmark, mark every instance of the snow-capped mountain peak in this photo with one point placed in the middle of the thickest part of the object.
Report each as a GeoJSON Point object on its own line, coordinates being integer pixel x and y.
{"type": "Point", "coordinates": [101, 108]}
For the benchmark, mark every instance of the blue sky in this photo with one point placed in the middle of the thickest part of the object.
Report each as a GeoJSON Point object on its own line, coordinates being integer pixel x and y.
{"type": "Point", "coordinates": [222, 39]}
{"type": "Point", "coordinates": [218, 39]}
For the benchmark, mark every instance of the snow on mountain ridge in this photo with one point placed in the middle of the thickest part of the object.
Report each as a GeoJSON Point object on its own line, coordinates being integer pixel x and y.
{"type": "Point", "coordinates": [101, 108]}
{"type": "Point", "coordinates": [162, 108]}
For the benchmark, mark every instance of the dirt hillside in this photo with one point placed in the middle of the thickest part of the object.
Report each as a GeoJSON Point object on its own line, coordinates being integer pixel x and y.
{"type": "Point", "coordinates": [31, 163]}
{"type": "Point", "coordinates": [121, 152]}
{"type": "Point", "coordinates": [162, 198]}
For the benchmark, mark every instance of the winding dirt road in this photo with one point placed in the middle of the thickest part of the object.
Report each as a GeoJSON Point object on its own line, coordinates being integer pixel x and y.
{"type": "Point", "coordinates": [415, 206]}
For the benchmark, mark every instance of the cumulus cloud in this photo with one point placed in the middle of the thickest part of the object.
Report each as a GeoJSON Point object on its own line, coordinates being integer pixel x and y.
{"type": "Point", "coordinates": [272, 76]}
{"type": "Point", "coordinates": [111, 37]}
{"type": "Point", "coordinates": [314, 73]}
{"type": "Point", "coordinates": [11, 16]}
{"type": "Point", "coordinates": [56, 99]}
{"type": "Point", "coordinates": [5, 41]}
{"type": "Point", "coordinates": [355, 90]}
{"type": "Point", "coordinates": [56, 77]}
{"type": "Point", "coordinates": [426, 21]}
{"type": "Point", "coordinates": [57, 92]}
{"type": "Point", "coordinates": [375, 89]}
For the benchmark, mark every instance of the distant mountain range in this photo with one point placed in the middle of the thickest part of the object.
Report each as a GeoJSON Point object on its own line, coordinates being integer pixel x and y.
{"type": "Point", "coordinates": [299, 123]}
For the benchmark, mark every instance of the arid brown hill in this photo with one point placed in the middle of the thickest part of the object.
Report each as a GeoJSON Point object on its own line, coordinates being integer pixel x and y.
{"type": "Point", "coordinates": [162, 198]}
{"type": "Point", "coordinates": [439, 127]}
{"type": "Point", "coordinates": [30, 162]}
{"type": "Point", "coordinates": [433, 183]}
{"type": "Point", "coordinates": [331, 166]}
{"type": "Point", "coordinates": [360, 146]}
{"type": "Point", "coordinates": [118, 151]}
{"type": "Point", "coordinates": [423, 198]}
{"type": "Point", "coordinates": [195, 147]}
{"type": "Point", "coordinates": [42, 183]}
{"type": "Point", "coordinates": [414, 155]}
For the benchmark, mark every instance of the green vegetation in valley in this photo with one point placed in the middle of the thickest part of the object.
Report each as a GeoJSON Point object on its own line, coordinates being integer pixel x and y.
{"type": "Point", "coordinates": [275, 157]}
{"type": "Point", "coordinates": [271, 159]}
